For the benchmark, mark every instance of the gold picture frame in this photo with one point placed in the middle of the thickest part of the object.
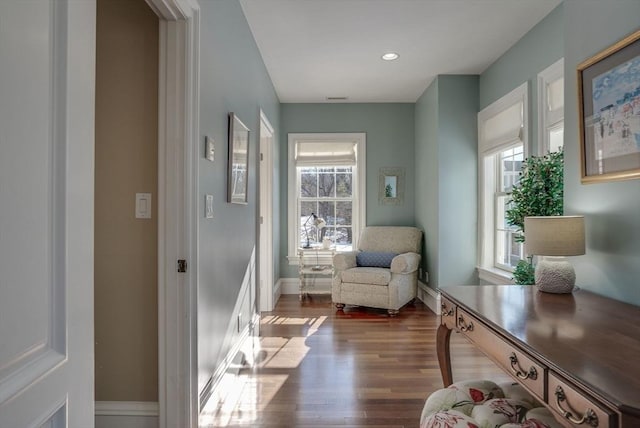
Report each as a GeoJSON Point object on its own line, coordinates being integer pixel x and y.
{"type": "Point", "coordinates": [609, 112]}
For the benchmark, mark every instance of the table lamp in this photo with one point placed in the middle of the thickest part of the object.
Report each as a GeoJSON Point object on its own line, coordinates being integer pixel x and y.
{"type": "Point", "coordinates": [318, 222]}
{"type": "Point", "coordinates": [553, 238]}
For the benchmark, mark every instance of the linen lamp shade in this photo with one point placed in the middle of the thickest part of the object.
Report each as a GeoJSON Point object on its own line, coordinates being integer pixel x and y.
{"type": "Point", "coordinates": [554, 237]}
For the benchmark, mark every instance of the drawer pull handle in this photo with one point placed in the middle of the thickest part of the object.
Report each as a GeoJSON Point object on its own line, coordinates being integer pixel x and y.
{"type": "Point", "coordinates": [445, 312]}
{"type": "Point", "coordinates": [531, 374]}
{"type": "Point", "coordinates": [464, 327]}
{"type": "Point", "coordinates": [589, 417]}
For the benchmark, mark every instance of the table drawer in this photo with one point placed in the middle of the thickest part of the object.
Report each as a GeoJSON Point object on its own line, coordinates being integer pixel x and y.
{"type": "Point", "coordinates": [526, 371]}
{"type": "Point", "coordinates": [576, 407]}
{"type": "Point", "coordinates": [447, 313]}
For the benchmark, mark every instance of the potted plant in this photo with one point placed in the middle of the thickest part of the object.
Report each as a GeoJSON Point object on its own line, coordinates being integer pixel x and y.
{"type": "Point", "coordinates": [539, 192]}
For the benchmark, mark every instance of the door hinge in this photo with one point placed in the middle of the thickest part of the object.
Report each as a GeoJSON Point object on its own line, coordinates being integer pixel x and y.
{"type": "Point", "coordinates": [261, 219]}
{"type": "Point", "coordinates": [261, 157]}
{"type": "Point", "coordinates": [182, 266]}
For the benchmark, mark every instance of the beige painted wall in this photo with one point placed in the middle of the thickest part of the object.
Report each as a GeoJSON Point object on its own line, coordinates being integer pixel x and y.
{"type": "Point", "coordinates": [126, 317]}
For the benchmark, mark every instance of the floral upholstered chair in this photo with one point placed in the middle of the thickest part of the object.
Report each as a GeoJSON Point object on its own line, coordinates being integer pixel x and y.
{"type": "Point", "coordinates": [383, 273]}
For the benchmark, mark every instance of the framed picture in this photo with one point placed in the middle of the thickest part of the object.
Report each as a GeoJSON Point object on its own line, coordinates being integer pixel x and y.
{"type": "Point", "coordinates": [238, 167]}
{"type": "Point", "coordinates": [609, 116]}
{"type": "Point", "coordinates": [391, 186]}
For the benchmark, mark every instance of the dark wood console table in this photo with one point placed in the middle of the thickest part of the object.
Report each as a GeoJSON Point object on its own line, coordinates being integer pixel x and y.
{"type": "Point", "coordinates": [578, 353]}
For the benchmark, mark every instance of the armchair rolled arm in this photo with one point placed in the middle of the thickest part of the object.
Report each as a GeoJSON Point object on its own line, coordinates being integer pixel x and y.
{"type": "Point", "coordinates": [344, 261]}
{"type": "Point", "coordinates": [405, 263]}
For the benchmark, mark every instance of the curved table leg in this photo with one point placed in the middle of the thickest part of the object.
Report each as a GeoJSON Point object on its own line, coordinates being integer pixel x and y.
{"type": "Point", "coordinates": [443, 336]}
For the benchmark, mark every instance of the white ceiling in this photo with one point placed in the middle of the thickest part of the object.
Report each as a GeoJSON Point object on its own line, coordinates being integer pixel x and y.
{"type": "Point", "coordinates": [314, 49]}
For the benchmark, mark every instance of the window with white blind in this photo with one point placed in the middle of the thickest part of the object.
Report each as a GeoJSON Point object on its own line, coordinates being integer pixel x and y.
{"type": "Point", "coordinates": [502, 135]}
{"type": "Point", "coordinates": [326, 190]}
{"type": "Point", "coordinates": [551, 108]}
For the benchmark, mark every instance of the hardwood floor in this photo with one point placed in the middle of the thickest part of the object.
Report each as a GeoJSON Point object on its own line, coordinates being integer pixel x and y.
{"type": "Point", "coordinates": [319, 367]}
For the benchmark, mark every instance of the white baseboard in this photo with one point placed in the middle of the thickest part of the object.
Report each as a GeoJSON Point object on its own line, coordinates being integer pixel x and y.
{"type": "Point", "coordinates": [429, 297]}
{"type": "Point", "coordinates": [314, 285]}
{"type": "Point", "coordinates": [126, 414]}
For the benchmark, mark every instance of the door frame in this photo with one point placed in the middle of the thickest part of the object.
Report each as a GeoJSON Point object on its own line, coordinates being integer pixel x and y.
{"type": "Point", "coordinates": [265, 219]}
{"type": "Point", "coordinates": [178, 123]}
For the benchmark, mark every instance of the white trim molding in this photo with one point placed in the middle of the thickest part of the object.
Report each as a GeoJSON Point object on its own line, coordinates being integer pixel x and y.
{"type": "Point", "coordinates": [126, 408]}
{"type": "Point", "coordinates": [547, 118]}
{"type": "Point", "coordinates": [359, 190]}
{"type": "Point", "coordinates": [265, 214]}
{"type": "Point", "coordinates": [495, 276]}
{"type": "Point", "coordinates": [178, 123]}
{"type": "Point", "coordinates": [488, 147]}
{"type": "Point", "coordinates": [429, 297]}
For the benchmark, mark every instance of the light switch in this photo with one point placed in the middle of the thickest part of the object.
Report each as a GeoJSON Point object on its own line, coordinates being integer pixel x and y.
{"type": "Point", "coordinates": [143, 205]}
{"type": "Point", "coordinates": [208, 206]}
{"type": "Point", "coordinates": [209, 148]}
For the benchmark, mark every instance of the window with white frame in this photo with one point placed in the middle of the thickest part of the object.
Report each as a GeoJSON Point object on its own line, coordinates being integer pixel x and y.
{"type": "Point", "coordinates": [551, 108]}
{"type": "Point", "coordinates": [502, 135]}
{"type": "Point", "coordinates": [326, 190]}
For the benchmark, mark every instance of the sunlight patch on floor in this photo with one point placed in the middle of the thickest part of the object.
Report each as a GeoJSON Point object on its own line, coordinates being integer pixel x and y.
{"type": "Point", "coordinates": [245, 397]}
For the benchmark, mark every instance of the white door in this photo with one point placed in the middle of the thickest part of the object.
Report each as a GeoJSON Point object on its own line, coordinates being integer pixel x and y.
{"type": "Point", "coordinates": [265, 260]}
{"type": "Point", "coordinates": [47, 55]}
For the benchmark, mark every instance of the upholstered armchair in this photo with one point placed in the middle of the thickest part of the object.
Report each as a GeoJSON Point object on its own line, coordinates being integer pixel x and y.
{"type": "Point", "coordinates": [383, 273]}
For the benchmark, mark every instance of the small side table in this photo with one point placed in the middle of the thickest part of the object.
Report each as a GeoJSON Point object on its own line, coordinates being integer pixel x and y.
{"type": "Point", "coordinates": [314, 261]}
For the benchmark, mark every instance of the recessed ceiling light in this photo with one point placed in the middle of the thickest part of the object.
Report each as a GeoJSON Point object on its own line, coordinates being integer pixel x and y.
{"type": "Point", "coordinates": [390, 56]}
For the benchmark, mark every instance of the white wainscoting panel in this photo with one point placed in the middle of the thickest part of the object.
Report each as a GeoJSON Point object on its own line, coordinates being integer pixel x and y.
{"type": "Point", "coordinates": [126, 414]}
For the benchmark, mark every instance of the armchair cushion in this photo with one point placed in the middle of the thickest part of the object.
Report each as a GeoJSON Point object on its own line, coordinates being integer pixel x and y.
{"type": "Point", "coordinates": [374, 259]}
{"type": "Point", "coordinates": [367, 275]}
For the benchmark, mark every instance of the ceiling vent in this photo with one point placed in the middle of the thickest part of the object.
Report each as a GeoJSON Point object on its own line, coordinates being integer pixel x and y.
{"type": "Point", "coordinates": [337, 98]}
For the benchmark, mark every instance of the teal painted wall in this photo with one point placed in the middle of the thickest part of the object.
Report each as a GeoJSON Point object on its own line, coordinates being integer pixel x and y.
{"type": "Point", "coordinates": [539, 48]}
{"type": "Point", "coordinates": [390, 143]}
{"type": "Point", "coordinates": [457, 163]}
{"type": "Point", "coordinates": [446, 178]}
{"type": "Point", "coordinates": [427, 185]}
{"type": "Point", "coordinates": [610, 266]}
{"type": "Point", "coordinates": [233, 78]}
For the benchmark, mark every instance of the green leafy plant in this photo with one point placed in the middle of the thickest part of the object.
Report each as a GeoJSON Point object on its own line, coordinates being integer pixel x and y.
{"type": "Point", "coordinates": [524, 273]}
{"type": "Point", "coordinates": [539, 192]}
{"type": "Point", "coordinates": [388, 191]}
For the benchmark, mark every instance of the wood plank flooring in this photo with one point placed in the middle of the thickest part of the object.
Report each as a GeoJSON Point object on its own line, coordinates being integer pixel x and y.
{"type": "Point", "coordinates": [319, 367]}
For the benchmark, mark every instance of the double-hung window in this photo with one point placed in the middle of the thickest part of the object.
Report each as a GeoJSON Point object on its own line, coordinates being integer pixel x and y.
{"type": "Point", "coordinates": [551, 107]}
{"type": "Point", "coordinates": [326, 190]}
{"type": "Point", "coordinates": [502, 132]}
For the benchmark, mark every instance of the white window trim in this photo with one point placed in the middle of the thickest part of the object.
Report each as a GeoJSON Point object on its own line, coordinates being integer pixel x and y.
{"type": "Point", "coordinates": [486, 208]}
{"type": "Point", "coordinates": [548, 119]}
{"type": "Point", "coordinates": [359, 190]}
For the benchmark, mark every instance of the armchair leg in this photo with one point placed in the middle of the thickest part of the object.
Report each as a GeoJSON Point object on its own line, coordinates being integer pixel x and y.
{"type": "Point", "coordinates": [393, 312]}
{"type": "Point", "coordinates": [340, 305]}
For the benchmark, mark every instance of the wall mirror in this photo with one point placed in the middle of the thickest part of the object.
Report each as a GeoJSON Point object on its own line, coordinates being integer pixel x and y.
{"type": "Point", "coordinates": [391, 186]}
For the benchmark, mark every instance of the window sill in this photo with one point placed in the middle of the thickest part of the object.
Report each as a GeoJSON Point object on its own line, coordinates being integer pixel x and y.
{"type": "Point", "coordinates": [495, 276]}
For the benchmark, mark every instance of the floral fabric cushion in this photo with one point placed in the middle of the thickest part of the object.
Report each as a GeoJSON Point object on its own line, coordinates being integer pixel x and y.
{"type": "Point", "coordinates": [374, 259]}
{"type": "Point", "coordinates": [449, 419]}
{"type": "Point", "coordinates": [484, 404]}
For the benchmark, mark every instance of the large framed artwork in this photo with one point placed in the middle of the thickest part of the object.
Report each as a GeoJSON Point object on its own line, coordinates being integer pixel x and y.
{"type": "Point", "coordinates": [609, 112]}
{"type": "Point", "coordinates": [238, 166]}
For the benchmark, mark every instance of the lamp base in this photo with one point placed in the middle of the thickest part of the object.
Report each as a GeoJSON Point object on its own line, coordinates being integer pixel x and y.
{"type": "Point", "coordinates": [555, 275]}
